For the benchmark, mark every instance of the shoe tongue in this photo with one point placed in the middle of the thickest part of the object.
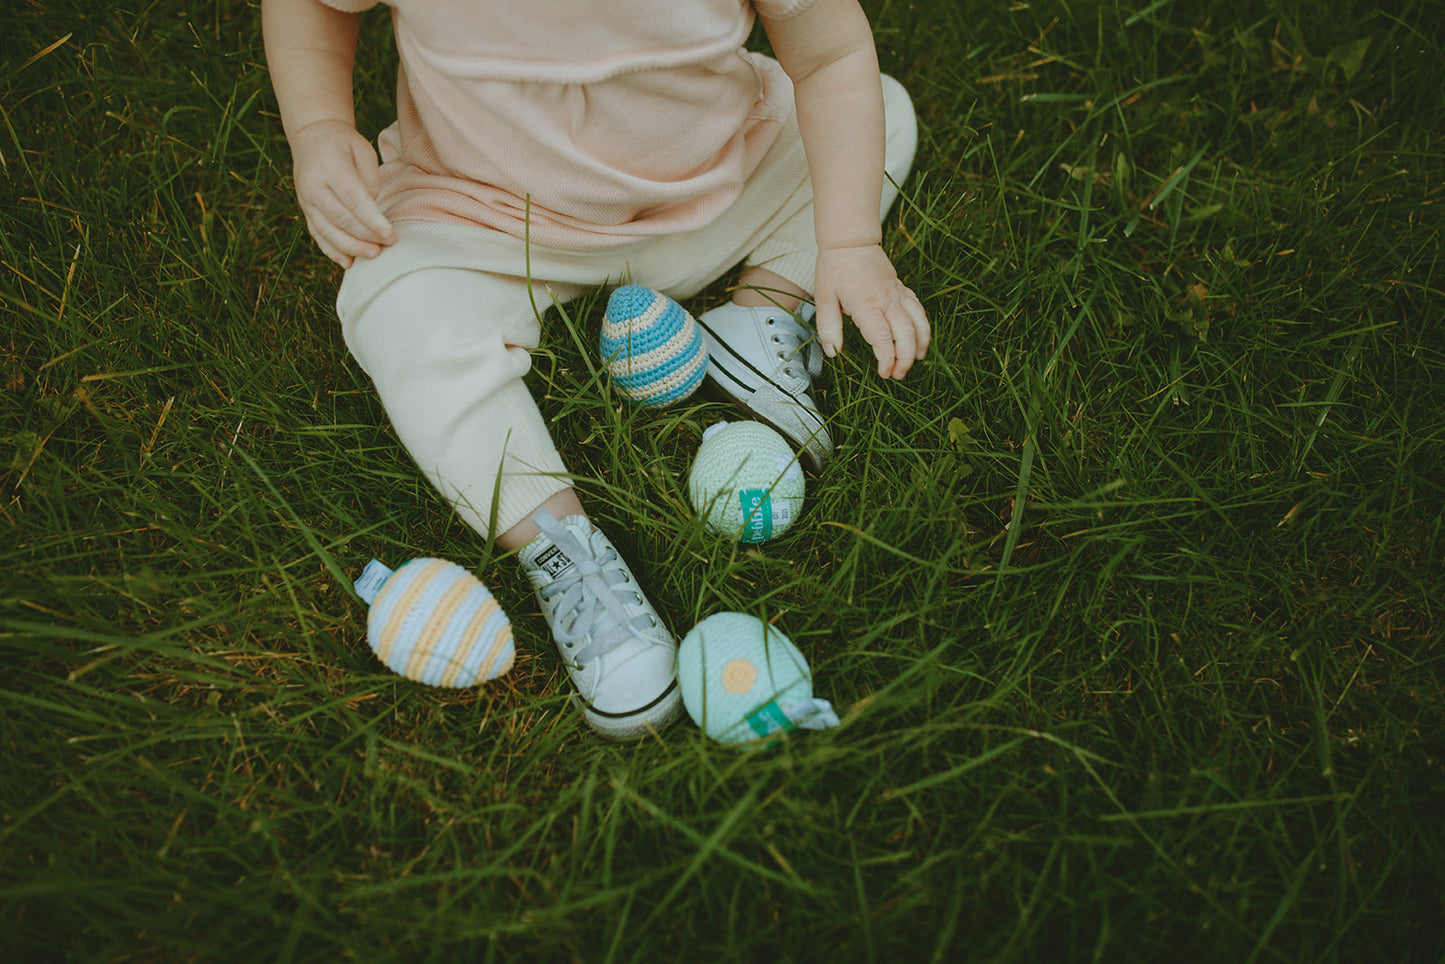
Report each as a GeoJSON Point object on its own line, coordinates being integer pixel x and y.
{"type": "Point", "coordinates": [545, 557]}
{"type": "Point", "coordinates": [551, 560]}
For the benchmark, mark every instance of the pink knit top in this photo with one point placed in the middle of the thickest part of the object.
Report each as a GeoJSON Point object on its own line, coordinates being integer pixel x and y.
{"type": "Point", "coordinates": [600, 121]}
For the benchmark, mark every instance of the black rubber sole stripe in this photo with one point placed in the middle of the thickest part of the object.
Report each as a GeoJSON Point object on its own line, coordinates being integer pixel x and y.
{"type": "Point", "coordinates": [641, 709]}
{"type": "Point", "coordinates": [747, 364]}
{"type": "Point", "coordinates": [742, 402]}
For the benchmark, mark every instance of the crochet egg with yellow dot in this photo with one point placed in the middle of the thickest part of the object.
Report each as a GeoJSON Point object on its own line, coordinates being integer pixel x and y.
{"type": "Point", "coordinates": [741, 679]}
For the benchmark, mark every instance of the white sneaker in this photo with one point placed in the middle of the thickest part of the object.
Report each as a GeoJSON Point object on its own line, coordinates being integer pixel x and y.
{"type": "Point", "coordinates": [765, 360]}
{"type": "Point", "coordinates": [621, 657]}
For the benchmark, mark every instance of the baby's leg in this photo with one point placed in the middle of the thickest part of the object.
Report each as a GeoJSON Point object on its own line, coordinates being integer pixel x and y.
{"type": "Point", "coordinates": [447, 347]}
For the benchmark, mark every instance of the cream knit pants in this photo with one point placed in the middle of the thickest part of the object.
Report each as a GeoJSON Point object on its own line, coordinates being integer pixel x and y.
{"type": "Point", "coordinates": [443, 321]}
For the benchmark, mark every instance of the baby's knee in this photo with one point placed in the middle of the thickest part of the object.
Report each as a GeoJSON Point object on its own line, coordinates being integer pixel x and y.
{"type": "Point", "coordinates": [439, 323]}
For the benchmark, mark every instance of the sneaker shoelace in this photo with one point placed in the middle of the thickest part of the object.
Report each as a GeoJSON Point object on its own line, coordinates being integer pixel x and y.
{"type": "Point", "coordinates": [794, 341]}
{"type": "Point", "coordinates": [590, 597]}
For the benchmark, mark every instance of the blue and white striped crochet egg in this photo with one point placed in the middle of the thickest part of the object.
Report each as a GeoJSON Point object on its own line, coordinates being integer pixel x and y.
{"type": "Point", "coordinates": [433, 622]}
{"type": "Point", "coordinates": [653, 349]}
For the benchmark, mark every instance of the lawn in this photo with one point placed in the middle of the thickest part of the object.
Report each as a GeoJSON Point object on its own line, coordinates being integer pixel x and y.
{"type": "Point", "coordinates": [1129, 597]}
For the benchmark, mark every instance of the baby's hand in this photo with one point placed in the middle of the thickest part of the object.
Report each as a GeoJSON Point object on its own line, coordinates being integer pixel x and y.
{"type": "Point", "coordinates": [337, 179]}
{"type": "Point", "coordinates": [862, 283]}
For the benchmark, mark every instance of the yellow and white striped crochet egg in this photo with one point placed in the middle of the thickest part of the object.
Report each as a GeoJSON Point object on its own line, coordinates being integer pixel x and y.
{"type": "Point", "coordinates": [434, 622]}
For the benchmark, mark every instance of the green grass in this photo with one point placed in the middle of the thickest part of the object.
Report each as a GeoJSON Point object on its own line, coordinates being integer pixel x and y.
{"type": "Point", "coordinates": [1128, 596]}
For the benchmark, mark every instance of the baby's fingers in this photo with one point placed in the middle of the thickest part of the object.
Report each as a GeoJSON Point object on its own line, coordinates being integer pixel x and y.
{"type": "Point", "coordinates": [335, 224]}
{"type": "Point", "coordinates": [329, 249]}
{"type": "Point", "coordinates": [829, 321]}
{"type": "Point", "coordinates": [911, 332]}
{"type": "Point", "coordinates": [922, 331]}
{"type": "Point", "coordinates": [336, 242]}
{"type": "Point", "coordinates": [363, 205]}
{"type": "Point", "coordinates": [352, 210]}
{"type": "Point", "coordinates": [874, 326]}
{"type": "Point", "coordinates": [905, 344]}
{"type": "Point", "coordinates": [898, 333]}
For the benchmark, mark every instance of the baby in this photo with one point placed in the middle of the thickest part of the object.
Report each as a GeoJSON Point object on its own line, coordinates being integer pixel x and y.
{"type": "Point", "coordinates": [569, 144]}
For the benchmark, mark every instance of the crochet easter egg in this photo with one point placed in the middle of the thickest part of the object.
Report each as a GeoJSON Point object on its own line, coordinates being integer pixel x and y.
{"type": "Point", "coordinates": [435, 623]}
{"type": "Point", "coordinates": [743, 682]}
{"type": "Point", "coordinates": [653, 349]}
{"type": "Point", "coordinates": [746, 481]}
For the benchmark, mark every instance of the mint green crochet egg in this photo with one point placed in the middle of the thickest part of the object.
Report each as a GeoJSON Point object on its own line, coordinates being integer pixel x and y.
{"type": "Point", "coordinates": [743, 682]}
{"type": "Point", "coordinates": [746, 481]}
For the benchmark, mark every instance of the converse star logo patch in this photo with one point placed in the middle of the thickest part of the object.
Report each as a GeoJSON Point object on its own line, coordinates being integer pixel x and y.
{"type": "Point", "coordinates": [553, 561]}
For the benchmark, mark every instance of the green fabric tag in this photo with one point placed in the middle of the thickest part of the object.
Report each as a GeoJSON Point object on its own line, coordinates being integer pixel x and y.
{"type": "Point", "coordinates": [757, 514]}
{"type": "Point", "coordinates": [769, 719]}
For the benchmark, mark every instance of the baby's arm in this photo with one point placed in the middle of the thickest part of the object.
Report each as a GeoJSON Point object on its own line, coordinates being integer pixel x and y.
{"type": "Point", "coordinates": [310, 48]}
{"type": "Point", "coordinates": [828, 52]}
